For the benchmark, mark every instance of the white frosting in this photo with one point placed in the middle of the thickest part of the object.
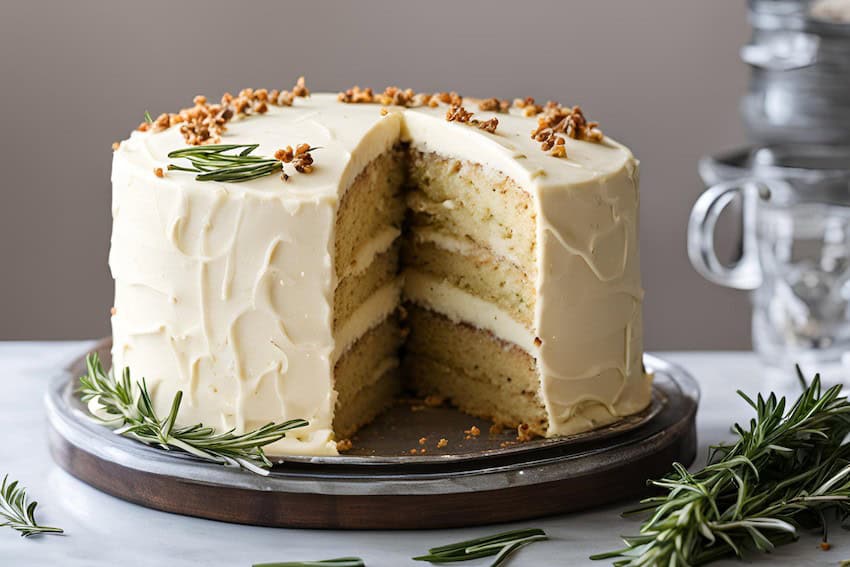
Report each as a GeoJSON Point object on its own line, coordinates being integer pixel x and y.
{"type": "Point", "coordinates": [463, 307]}
{"type": "Point", "coordinates": [451, 243]}
{"type": "Point", "coordinates": [225, 291]}
{"type": "Point", "coordinates": [366, 254]}
{"type": "Point", "coordinates": [367, 316]}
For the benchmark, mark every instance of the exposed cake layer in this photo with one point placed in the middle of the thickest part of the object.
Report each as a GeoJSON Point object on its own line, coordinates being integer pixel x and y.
{"type": "Point", "coordinates": [467, 200]}
{"type": "Point", "coordinates": [369, 211]}
{"type": "Point", "coordinates": [356, 289]}
{"type": "Point", "coordinates": [479, 353]}
{"type": "Point", "coordinates": [474, 270]}
{"type": "Point", "coordinates": [368, 405]}
{"type": "Point", "coordinates": [367, 246]}
{"type": "Point", "coordinates": [481, 374]}
{"type": "Point", "coordinates": [366, 377]}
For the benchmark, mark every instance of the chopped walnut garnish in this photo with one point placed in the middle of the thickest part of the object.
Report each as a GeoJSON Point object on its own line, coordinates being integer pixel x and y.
{"type": "Point", "coordinates": [413, 451]}
{"type": "Point", "coordinates": [423, 440]}
{"type": "Point", "coordinates": [524, 433]}
{"type": "Point", "coordinates": [494, 105]}
{"type": "Point", "coordinates": [202, 123]}
{"type": "Point", "coordinates": [300, 88]}
{"type": "Point", "coordinates": [384, 112]}
{"type": "Point", "coordinates": [300, 158]}
{"type": "Point", "coordinates": [489, 125]}
{"type": "Point", "coordinates": [112, 311]}
{"type": "Point", "coordinates": [344, 445]}
{"type": "Point", "coordinates": [115, 146]}
{"type": "Point", "coordinates": [356, 95]}
{"type": "Point", "coordinates": [396, 96]}
{"type": "Point", "coordinates": [528, 106]}
{"type": "Point", "coordinates": [158, 172]}
{"type": "Point", "coordinates": [537, 341]}
{"type": "Point", "coordinates": [285, 98]}
{"type": "Point", "coordinates": [452, 98]}
{"type": "Point", "coordinates": [460, 114]}
{"type": "Point", "coordinates": [424, 99]}
{"type": "Point", "coordinates": [559, 122]}
{"type": "Point", "coordinates": [489, 104]}
{"type": "Point", "coordinates": [162, 122]}
{"type": "Point", "coordinates": [472, 431]}
{"type": "Point", "coordinates": [205, 122]}
{"type": "Point", "coordinates": [285, 155]}
{"type": "Point", "coordinates": [559, 151]}
{"type": "Point", "coordinates": [443, 442]}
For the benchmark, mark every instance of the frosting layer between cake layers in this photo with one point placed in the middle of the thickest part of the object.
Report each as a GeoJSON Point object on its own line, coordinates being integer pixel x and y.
{"type": "Point", "coordinates": [226, 291]}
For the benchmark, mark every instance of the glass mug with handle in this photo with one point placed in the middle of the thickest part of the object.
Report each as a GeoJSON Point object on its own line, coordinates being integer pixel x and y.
{"type": "Point", "coordinates": [795, 254]}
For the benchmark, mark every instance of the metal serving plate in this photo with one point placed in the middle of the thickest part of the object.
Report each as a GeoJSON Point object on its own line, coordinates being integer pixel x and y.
{"type": "Point", "coordinates": [394, 436]}
{"type": "Point", "coordinates": [380, 484]}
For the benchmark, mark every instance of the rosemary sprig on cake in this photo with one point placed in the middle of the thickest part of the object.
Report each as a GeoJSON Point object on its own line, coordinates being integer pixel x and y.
{"type": "Point", "coordinates": [502, 545]}
{"type": "Point", "coordinates": [18, 512]}
{"type": "Point", "coordinates": [233, 163]}
{"type": "Point", "coordinates": [787, 470]}
{"type": "Point", "coordinates": [128, 408]}
{"type": "Point", "coordinates": [338, 562]}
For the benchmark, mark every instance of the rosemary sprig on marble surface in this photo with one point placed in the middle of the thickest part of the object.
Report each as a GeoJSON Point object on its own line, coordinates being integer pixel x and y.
{"type": "Point", "coordinates": [502, 545]}
{"type": "Point", "coordinates": [338, 562]}
{"type": "Point", "coordinates": [129, 409]}
{"type": "Point", "coordinates": [234, 163]}
{"type": "Point", "coordinates": [786, 471]}
{"type": "Point", "coordinates": [18, 512]}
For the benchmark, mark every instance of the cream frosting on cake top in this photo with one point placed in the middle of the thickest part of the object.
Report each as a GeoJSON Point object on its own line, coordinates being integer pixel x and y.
{"type": "Point", "coordinates": [225, 290]}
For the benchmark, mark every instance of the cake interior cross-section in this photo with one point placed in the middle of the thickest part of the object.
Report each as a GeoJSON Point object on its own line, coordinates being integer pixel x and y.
{"type": "Point", "coordinates": [476, 251]}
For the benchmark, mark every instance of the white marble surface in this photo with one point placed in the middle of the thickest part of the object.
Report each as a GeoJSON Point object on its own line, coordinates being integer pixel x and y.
{"type": "Point", "coordinates": [102, 530]}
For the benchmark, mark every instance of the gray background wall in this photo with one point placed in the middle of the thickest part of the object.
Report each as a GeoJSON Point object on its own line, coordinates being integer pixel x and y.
{"type": "Point", "coordinates": [663, 76]}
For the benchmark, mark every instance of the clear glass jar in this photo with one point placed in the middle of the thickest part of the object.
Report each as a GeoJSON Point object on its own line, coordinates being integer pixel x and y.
{"type": "Point", "coordinates": [795, 253]}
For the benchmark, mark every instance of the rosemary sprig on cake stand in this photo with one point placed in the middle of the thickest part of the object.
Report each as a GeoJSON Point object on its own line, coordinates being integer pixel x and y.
{"type": "Point", "coordinates": [788, 470]}
{"type": "Point", "coordinates": [128, 408]}
{"type": "Point", "coordinates": [18, 512]}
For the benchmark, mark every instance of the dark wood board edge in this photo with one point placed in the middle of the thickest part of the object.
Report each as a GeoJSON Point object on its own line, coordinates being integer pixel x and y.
{"type": "Point", "coordinates": [624, 480]}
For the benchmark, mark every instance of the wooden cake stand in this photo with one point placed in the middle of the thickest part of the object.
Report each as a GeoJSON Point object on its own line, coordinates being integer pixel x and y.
{"type": "Point", "coordinates": [379, 484]}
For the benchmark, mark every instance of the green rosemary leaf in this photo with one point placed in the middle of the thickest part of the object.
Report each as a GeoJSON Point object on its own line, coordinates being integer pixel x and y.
{"type": "Point", "coordinates": [509, 550]}
{"type": "Point", "coordinates": [148, 117]}
{"type": "Point", "coordinates": [338, 562]}
{"type": "Point", "coordinates": [18, 512]}
{"type": "Point", "coordinates": [128, 408]}
{"type": "Point", "coordinates": [786, 470]}
{"type": "Point", "coordinates": [501, 544]}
